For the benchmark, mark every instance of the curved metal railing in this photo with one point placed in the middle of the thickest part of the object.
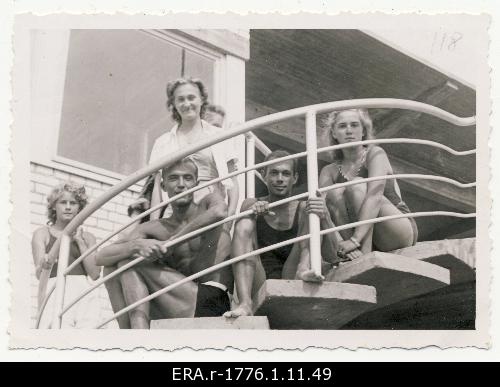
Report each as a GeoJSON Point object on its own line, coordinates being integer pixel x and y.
{"type": "Point", "coordinates": [311, 153]}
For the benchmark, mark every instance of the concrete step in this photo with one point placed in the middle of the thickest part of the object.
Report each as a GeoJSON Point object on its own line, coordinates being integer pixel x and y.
{"type": "Point", "coordinates": [292, 304]}
{"type": "Point", "coordinates": [244, 322]}
{"type": "Point", "coordinates": [456, 255]}
{"type": "Point", "coordinates": [395, 277]}
{"type": "Point", "coordinates": [449, 308]}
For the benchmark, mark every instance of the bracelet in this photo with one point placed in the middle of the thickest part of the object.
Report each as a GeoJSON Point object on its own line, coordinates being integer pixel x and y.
{"type": "Point", "coordinates": [355, 241]}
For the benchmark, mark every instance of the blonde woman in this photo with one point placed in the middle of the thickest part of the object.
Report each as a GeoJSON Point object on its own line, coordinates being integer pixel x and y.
{"type": "Point", "coordinates": [365, 200]}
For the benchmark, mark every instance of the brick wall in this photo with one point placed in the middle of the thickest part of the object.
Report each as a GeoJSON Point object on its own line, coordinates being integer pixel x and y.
{"type": "Point", "coordinates": [108, 218]}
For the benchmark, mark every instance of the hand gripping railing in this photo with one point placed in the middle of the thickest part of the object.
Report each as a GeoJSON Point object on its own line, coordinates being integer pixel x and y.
{"type": "Point", "coordinates": [252, 142]}
{"type": "Point", "coordinates": [309, 111]}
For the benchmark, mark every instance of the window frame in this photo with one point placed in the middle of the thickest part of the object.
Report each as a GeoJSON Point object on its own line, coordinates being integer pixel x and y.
{"type": "Point", "coordinates": [171, 37]}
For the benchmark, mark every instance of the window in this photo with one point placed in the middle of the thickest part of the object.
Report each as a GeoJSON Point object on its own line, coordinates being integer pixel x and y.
{"type": "Point", "coordinates": [114, 104]}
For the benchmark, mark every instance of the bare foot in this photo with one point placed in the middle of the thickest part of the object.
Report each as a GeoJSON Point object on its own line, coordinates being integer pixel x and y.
{"type": "Point", "coordinates": [241, 310]}
{"type": "Point", "coordinates": [311, 276]}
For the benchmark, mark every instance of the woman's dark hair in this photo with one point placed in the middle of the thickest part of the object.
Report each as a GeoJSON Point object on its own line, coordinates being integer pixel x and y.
{"type": "Point", "coordinates": [173, 85]}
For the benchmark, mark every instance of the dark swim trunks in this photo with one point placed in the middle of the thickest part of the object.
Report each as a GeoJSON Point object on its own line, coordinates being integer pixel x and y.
{"type": "Point", "coordinates": [211, 301]}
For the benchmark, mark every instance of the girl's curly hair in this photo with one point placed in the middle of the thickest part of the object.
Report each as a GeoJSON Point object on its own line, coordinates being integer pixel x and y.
{"type": "Point", "coordinates": [173, 85]}
{"type": "Point", "coordinates": [331, 119]}
{"type": "Point", "coordinates": [77, 190]}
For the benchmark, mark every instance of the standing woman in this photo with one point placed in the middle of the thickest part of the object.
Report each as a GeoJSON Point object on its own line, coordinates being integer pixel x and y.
{"type": "Point", "coordinates": [187, 100]}
{"type": "Point", "coordinates": [63, 204]}
{"type": "Point", "coordinates": [365, 200]}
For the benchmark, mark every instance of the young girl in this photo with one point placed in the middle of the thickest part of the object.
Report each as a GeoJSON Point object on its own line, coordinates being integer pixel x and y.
{"type": "Point", "coordinates": [64, 203]}
{"type": "Point", "coordinates": [365, 200]}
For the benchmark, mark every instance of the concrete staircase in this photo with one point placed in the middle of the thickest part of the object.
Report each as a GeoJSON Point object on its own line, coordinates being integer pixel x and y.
{"type": "Point", "coordinates": [427, 286]}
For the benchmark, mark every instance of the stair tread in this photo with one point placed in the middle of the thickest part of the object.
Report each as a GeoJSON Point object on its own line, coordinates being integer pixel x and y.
{"type": "Point", "coordinates": [457, 255]}
{"type": "Point", "coordinates": [293, 304]}
{"type": "Point", "coordinates": [244, 322]}
{"type": "Point", "coordinates": [394, 276]}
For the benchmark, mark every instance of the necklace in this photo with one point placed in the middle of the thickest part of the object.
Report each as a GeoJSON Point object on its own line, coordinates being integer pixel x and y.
{"type": "Point", "coordinates": [354, 170]}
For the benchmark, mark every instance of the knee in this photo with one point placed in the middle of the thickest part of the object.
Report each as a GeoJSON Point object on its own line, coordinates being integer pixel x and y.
{"type": "Point", "coordinates": [335, 196]}
{"type": "Point", "coordinates": [356, 191]}
{"type": "Point", "coordinates": [244, 229]}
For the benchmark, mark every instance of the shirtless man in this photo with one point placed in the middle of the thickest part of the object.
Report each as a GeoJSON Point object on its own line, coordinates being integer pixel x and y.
{"type": "Point", "coordinates": [206, 297]}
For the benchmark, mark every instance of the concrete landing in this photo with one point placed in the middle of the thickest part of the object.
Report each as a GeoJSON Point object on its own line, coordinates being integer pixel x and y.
{"type": "Point", "coordinates": [293, 304]}
{"type": "Point", "coordinates": [456, 255]}
{"type": "Point", "coordinates": [250, 322]}
{"type": "Point", "coordinates": [395, 277]}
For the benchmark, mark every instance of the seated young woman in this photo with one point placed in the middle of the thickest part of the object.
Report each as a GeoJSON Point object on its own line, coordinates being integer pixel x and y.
{"type": "Point", "coordinates": [364, 200]}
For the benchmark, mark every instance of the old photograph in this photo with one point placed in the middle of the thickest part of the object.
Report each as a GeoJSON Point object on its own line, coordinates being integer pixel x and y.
{"type": "Point", "coordinates": [309, 183]}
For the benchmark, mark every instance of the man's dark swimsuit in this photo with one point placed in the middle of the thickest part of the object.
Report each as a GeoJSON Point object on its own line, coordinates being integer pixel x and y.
{"type": "Point", "coordinates": [274, 260]}
{"type": "Point", "coordinates": [211, 301]}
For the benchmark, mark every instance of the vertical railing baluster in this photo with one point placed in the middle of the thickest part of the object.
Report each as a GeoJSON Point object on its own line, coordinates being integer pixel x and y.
{"type": "Point", "coordinates": [312, 187]}
{"type": "Point", "coordinates": [250, 176]}
{"type": "Point", "coordinates": [62, 264]}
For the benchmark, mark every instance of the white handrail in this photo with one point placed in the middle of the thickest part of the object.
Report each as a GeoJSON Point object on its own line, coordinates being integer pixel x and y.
{"type": "Point", "coordinates": [258, 122]}
{"type": "Point", "coordinates": [261, 165]}
{"type": "Point", "coordinates": [240, 129]}
{"type": "Point", "coordinates": [259, 144]}
{"type": "Point", "coordinates": [250, 162]}
{"type": "Point", "coordinates": [312, 187]}
{"type": "Point", "coordinates": [275, 246]}
{"type": "Point", "coordinates": [247, 213]}
{"type": "Point", "coordinates": [399, 141]}
{"type": "Point", "coordinates": [297, 155]}
{"type": "Point", "coordinates": [290, 157]}
{"type": "Point", "coordinates": [199, 231]}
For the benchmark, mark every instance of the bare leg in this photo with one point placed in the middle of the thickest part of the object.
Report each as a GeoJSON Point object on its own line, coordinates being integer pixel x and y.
{"type": "Point", "coordinates": [338, 209]}
{"type": "Point", "coordinates": [388, 235]}
{"type": "Point", "coordinates": [134, 289]}
{"type": "Point", "coordinates": [115, 293]}
{"type": "Point", "coordinates": [249, 274]}
{"type": "Point", "coordinates": [392, 234]}
{"type": "Point", "coordinates": [355, 196]}
{"type": "Point", "coordinates": [177, 303]}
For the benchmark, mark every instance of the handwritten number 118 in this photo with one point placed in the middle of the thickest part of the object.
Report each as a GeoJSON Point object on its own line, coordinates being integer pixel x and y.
{"type": "Point", "coordinates": [444, 41]}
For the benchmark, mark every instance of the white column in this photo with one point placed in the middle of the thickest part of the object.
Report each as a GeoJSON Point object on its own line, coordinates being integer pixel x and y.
{"type": "Point", "coordinates": [312, 186]}
{"type": "Point", "coordinates": [233, 100]}
{"type": "Point", "coordinates": [250, 161]}
{"type": "Point", "coordinates": [49, 50]}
